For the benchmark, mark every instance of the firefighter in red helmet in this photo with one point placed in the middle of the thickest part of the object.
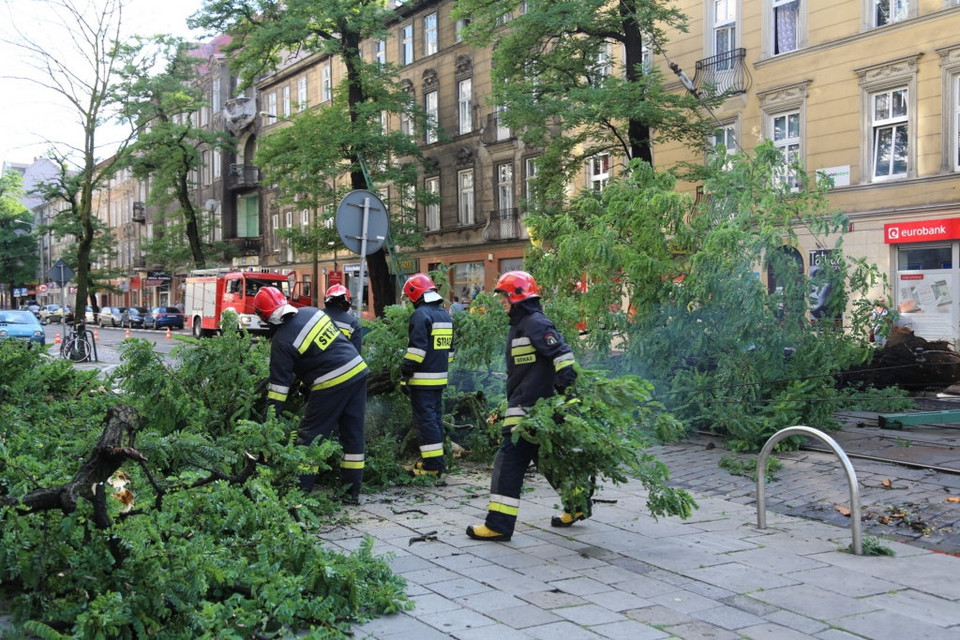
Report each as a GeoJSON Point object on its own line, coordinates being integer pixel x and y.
{"type": "Point", "coordinates": [307, 346]}
{"type": "Point", "coordinates": [336, 304]}
{"type": "Point", "coordinates": [424, 369]}
{"type": "Point", "coordinates": [539, 364]}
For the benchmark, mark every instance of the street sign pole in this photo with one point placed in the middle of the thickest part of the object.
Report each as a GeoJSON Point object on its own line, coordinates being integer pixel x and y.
{"type": "Point", "coordinates": [63, 299]}
{"type": "Point", "coordinates": [363, 250]}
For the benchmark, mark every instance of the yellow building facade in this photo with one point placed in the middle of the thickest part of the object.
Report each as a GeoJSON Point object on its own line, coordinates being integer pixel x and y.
{"type": "Point", "coordinates": [865, 91]}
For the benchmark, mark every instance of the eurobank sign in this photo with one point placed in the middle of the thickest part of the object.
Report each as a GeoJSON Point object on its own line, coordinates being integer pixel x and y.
{"type": "Point", "coordinates": [923, 231]}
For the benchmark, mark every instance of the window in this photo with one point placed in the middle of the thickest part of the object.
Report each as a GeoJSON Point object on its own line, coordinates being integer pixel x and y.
{"type": "Point", "coordinates": [458, 29]}
{"type": "Point", "coordinates": [889, 11]}
{"type": "Point", "coordinates": [217, 164]}
{"type": "Point", "coordinates": [326, 84]}
{"type": "Point", "coordinates": [604, 65]}
{"type": "Point", "coordinates": [275, 223]}
{"type": "Point", "coordinates": [286, 101]}
{"type": "Point", "coordinates": [304, 219]}
{"type": "Point", "coordinates": [302, 102]}
{"type": "Point", "coordinates": [466, 279]}
{"type": "Point", "coordinates": [406, 123]}
{"type": "Point", "coordinates": [465, 182]}
{"type": "Point", "coordinates": [406, 45]}
{"type": "Point", "coordinates": [271, 115]}
{"type": "Point", "coordinates": [786, 17]}
{"type": "Point", "coordinates": [288, 217]}
{"type": "Point", "coordinates": [505, 186]}
{"type": "Point", "coordinates": [204, 115]}
{"type": "Point", "coordinates": [432, 186]}
{"type": "Point", "coordinates": [465, 105]}
{"type": "Point", "coordinates": [503, 131]}
{"type": "Point", "coordinates": [429, 34]}
{"type": "Point", "coordinates": [431, 107]}
{"type": "Point", "coordinates": [215, 96]}
{"type": "Point", "coordinates": [248, 217]}
{"type": "Point", "coordinates": [207, 165]}
{"type": "Point", "coordinates": [724, 30]}
{"type": "Point", "coordinates": [599, 167]}
{"type": "Point", "coordinates": [529, 185]}
{"type": "Point", "coordinates": [785, 133]}
{"type": "Point", "coordinates": [724, 136]}
{"type": "Point", "coordinates": [380, 52]}
{"type": "Point", "coordinates": [890, 143]}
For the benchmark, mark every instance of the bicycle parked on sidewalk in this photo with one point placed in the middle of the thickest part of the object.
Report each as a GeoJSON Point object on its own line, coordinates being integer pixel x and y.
{"type": "Point", "coordinates": [78, 344]}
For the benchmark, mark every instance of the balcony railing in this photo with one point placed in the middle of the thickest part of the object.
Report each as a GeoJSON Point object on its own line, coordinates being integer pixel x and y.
{"type": "Point", "coordinates": [246, 246]}
{"type": "Point", "coordinates": [495, 131]}
{"type": "Point", "coordinates": [724, 73]}
{"type": "Point", "coordinates": [504, 224]}
{"type": "Point", "coordinates": [243, 176]}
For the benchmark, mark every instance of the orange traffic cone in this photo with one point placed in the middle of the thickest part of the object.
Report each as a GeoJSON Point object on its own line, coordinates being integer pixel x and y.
{"type": "Point", "coordinates": [96, 336]}
{"type": "Point", "coordinates": [57, 340]}
{"type": "Point", "coordinates": [126, 334]}
{"type": "Point", "coordinates": [168, 332]}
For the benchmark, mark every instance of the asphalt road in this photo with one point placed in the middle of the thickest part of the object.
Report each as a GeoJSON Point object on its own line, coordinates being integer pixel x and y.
{"type": "Point", "coordinates": [109, 339]}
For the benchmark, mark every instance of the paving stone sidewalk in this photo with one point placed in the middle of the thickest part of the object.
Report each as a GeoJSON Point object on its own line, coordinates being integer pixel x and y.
{"type": "Point", "coordinates": [623, 575]}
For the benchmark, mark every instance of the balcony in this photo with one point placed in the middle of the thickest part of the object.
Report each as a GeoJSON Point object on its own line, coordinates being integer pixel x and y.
{"type": "Point", "coordinates": [139, 214]}
{"type": "Point", "coordinates": [245, 246]}
{"type": "Point", "coordinates": [243, 176]}
{"type": "Point", "coordinates": [504, 224]}
{"type": "Point", "coordinates": [495, 131]}
{"type": "Point", "coordinates": [723, 74]}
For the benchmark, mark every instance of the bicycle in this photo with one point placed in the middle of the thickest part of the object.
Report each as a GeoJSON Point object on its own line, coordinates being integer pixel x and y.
{"type": "Point", "coordinates": [78, 345]}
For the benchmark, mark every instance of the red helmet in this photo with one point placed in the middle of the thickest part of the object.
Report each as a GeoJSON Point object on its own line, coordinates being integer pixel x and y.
{"type": "Point", "coordinates": [417, 285]}
{"type": "Point", "coordinates": [337, 291]}
{"type": "Point", "coordinates": [518, 285]}
{"type": "Point", "coordinates": [268, 300]}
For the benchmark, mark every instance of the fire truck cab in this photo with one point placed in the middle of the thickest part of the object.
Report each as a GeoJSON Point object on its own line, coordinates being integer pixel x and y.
{"type": "Point", "coordinates": [210, 292]}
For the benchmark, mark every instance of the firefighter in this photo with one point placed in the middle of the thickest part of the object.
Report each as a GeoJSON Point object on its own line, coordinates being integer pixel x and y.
{"type": "Point", "coordinates": [307, 348]}
{"type": "Point", "coordinates": [539, 364]}
{"type": "Point", "coordinates": [424, 369]}
{"type": "Point", "coordinates": [336, 304]}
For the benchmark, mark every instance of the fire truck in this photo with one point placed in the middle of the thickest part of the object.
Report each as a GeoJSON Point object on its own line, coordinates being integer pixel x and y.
{"type": "Point", "coordinates": [210, 292]}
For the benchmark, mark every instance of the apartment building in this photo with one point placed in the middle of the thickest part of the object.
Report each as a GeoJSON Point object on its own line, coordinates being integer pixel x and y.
{"type": "Point", "coordinates": [477, 166]}
{"type": "Point", "coordinates": [865, 91]}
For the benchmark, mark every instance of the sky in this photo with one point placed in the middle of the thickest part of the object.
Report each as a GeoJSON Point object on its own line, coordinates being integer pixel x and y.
{"type": "Point", "coordinates": [29, 113]}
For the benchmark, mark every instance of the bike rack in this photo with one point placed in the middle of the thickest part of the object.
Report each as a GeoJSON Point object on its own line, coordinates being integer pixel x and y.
{"type": "Point", "coordinates": [93, 342]}
{"type": "Point", "coordinates": [844, 460]}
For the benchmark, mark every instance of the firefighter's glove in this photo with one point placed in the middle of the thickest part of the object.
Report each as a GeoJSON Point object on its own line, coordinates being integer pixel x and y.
{"type": "Point", "coordinates": [404, 384]}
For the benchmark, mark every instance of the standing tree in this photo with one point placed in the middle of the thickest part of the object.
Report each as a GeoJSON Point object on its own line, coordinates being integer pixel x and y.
{"type": "Point", "coordinates": [82, 77]}
{"type": "Point", "coordinates": [264, 33]}
{"type": "Point", "coordinates": [18, 246]}
{"type": "Point", "coordinates": [562, 88]}
{"type": "Point", "coordinates": [168, 147]}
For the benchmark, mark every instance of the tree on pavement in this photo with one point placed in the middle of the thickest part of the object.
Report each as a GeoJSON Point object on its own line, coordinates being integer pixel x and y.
{"type": "Point", "coordinates": [562, 87]}
{"type": "Point", "coordinates": [160, 107]}
{"type": "Point", "coordinates": [267, 35]}
{"type": "Point", "coordinates": [82, 76]}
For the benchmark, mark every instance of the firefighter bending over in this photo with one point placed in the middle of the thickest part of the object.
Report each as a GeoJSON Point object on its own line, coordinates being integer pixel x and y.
{"type": "Point", "coordinates": [424, 369]}
{"type": "Point", "coordinates": [336, 304]}
{"type": "Point", "coordinates": [308, 347]}
{"type": "Point", "coordinates": [539, 363]}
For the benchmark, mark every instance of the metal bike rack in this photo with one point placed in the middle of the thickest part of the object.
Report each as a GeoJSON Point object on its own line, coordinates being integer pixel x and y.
{"type": "Point", "coordinates": [847, 467]}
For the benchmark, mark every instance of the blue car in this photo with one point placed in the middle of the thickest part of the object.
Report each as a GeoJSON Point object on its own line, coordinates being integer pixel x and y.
{"type": "Point", "coordinates": [21, 325]}
{"type": "Point", "coordinates": [163, 317]}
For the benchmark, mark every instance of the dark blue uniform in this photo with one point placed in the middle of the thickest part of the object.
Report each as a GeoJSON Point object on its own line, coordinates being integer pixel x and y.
{"type": "Point", "coordinates": [424, 368]}
{"type": "Point", "coordinates": [348, 324]}
{"type": "Point", "coordinates": [538, 361]}
{"type": "Point", "coordinates": [310, 348]}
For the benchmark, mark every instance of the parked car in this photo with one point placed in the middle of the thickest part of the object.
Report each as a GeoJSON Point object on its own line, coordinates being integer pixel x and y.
{"type": "Point", "coordinates": [46, 311]}
{"type": "Point", "coordinates": [110, 316]}
{"type": "Point", "coordinates": [163, 317]}
{"type": "Point", "coordinates": [21, 325]}
{"type": "Point", "coordinates": [55, 313]}
{"type": "Point", "coordinates": [133, 317]}
{"type": "Point", "coordinates": [33, 308]}
{"type": "Point", "coordinates": [89, 316]}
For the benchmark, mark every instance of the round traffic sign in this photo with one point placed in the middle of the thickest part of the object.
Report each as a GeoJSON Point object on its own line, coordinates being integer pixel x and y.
{"type": "Point", "coordinates": [350, 216]}
{"type": "Point", "coordinates": [42, 288]}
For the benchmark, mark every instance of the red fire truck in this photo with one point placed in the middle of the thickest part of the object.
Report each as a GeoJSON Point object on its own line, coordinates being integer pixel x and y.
{"type": "Point", "coordinates": [210, 292]}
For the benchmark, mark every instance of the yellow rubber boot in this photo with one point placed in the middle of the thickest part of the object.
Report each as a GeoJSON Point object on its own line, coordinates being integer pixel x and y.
{"type": "Point", "coordinates": [483, 532]}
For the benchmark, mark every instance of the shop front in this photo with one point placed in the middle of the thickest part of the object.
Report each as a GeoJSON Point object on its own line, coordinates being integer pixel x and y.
{"type": "Point", "coordinates": [925, 276]}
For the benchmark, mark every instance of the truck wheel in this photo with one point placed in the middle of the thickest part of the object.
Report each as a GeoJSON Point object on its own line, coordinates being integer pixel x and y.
{"type": "Point", "coordinates": [197, 327]}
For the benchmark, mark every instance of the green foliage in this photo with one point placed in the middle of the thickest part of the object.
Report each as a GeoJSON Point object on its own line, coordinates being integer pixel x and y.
{"type": "Point", "coordinates": [213, 538]}
{"type": "Point", "coordinates": [872, 546]}
{"type": "Point", "coordinates": [672, 293]}
{"type": "Point", "coordinates": [18, 245]}
{"type": "Point", "coordinates": [600, 432]}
